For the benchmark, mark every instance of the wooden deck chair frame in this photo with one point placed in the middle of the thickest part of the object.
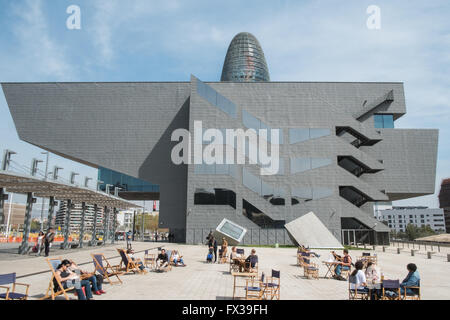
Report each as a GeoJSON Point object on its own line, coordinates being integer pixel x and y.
{"type": "Point", "coordinates": [383, 292]}
{"type": "Point", "coordinates": [150, 260]}
{"type": "Point", "coordinates": [354, 294]}
{"type": "Point", "coordinates": [107, 271]}
{"type": "Point", "coordinates": [254, 289]}
{"type": "Point", "coordinates": [310, 270]}
{"type": "Point", "coordinates": [11, 278]}
{"type": "Point", "coordinates": [130, 265]}
{"type": "Point", "coordinates": [411, 297]}
{"type": "Point", "coordinates": [247, 267]}
{"type": "Point", "coordinates": [50, 290]}
{"type": "Point", "coordinates": [273, 286]}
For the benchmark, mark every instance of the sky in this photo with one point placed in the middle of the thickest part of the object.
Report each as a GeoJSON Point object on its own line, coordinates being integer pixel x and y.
{"type": "Point", "coordinates": [167, 40]}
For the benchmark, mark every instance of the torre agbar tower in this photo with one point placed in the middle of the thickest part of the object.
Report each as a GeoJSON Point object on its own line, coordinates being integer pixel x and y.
{"type": "Point", "coordinates": [339, 150]}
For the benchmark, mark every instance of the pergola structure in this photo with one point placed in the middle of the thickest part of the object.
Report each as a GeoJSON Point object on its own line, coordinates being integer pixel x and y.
{"type": "Point", "coordinates": [72, 193]}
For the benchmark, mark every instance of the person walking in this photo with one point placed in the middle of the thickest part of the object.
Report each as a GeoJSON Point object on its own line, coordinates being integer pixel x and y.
{"type": "Point", "coordinates": [40, 243]}
{"type": "Point", "coordinates": [48, 240]}
{"type": "Point", "coordinates": [213, 243]}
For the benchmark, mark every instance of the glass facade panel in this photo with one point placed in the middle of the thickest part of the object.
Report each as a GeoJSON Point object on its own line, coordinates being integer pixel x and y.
{"type": "Point", "coordinates": [216, 99]}
{"type": "Point", "coordinates": [250, 181]}
{"type": "Point", "coordinates": [300, 164]}
{"type": "Point", "coordinates": [317, 133]}
{"type": "Point", "coordinates": [383, 121]}
{"type": "Point", "coordinates": [319, 193]}
{"type": "Point", "coordinates": [123, 181]}
{"type": "Point", "coordinates": [214, 196]}
{"type": "Point", "coordinates": [319, 162]}
{"type": "Point", "coordinates": [298, 135]}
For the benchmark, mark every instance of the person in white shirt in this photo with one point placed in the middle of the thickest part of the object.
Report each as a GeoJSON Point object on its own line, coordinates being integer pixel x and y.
{"type": "Point", "coordinates": [371, 273]}
{"type": "Point", "coordinates": [177, 259]}
{"type": "Point", "coordinates": [361, 282]}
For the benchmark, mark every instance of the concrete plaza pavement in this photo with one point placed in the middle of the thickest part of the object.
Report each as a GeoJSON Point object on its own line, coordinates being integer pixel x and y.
{"type": "Point", "coordinates": [202, 281]}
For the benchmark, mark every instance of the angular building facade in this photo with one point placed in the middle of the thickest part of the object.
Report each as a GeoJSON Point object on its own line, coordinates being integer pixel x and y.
{"type": "Point", "coordinates": [339, 150]}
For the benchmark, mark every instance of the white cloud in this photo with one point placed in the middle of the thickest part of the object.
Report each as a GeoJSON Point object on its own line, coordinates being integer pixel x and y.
{"type": "Point", "coordinates": [37, 55]}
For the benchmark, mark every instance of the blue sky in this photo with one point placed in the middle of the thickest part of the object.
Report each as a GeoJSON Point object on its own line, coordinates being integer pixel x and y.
{"type": "Point", "coordinates": [153, 40]}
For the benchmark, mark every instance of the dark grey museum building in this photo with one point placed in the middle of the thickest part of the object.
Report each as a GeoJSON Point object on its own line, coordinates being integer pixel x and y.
{"type": "Point", "coordinates": [339, 150]}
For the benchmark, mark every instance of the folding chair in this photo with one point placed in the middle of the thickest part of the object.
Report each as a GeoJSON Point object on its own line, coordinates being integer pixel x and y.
{"type": "Point", "coordinates": [273, 285]}
{"type": "Point", "coordinates": [255, 289]}
{"type": "Point", "coordinates": [356, 294]}
{"type": "Point", "coordinates": [106, 270]}
{"type": "Point", "coordinates": [150, 260]}
{"type": "Point", "coordinates": [128, 263]}
{"type": "Point", "coordinates": [58, 289]}
{"type": "Point", "coordinates": [390, 290]}
{"type": "Point", "coordinates": [310, 269]}
{"type": "Point", "coordinates": [11, 294]}
{"type": "Point", "coordinates": [413, 294]}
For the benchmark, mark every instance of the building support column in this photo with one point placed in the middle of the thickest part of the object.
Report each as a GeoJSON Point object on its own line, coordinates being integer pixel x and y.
{"type": "Point", "coordinates": [134, 225]}
{"type": "Point", "coordinates": [105, 224]}
{"type": "Point", "coordinates": [114, 225]}
{"type": "Point", "coordinates": [93, 241]}
{"type": "Point", "coordinates": [66, 224]}
{"type": "Point", "coordinates": [2, 203]}
{"type": "Point", "coordinates": [143, 224]}
{"type": "Point", "coordinates": [23, 249]}
{"type": "Point", "coordinates": [51, 210]}
{"type": "Point", "coordinates": [83, 214]}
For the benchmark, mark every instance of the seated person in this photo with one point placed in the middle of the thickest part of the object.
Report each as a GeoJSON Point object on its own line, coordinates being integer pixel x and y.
{"type": "Point", "coordinates": [233, 254]}
{"type": "Point", "coordinates": [130, 253]}
{"type": "Point", "coordinates": [70, 279]}
{"type": "Point", "coordinates": [177, 259]}
{"type": "Point", "coordinates": [210, 255]}
{"type": "Point", "coordinates": [411, 280]}
{"type": "Point", "coordinates": [163, 260]}
{"type": "Point", "coordinates": [371, 272]}
{"type": "Point", "coordinates": [96, 285]}
{"type": "Point", "coordinates": [361, 282]}
{"type": "Point", "coordinates": [307, 251]}
{"type": "Point", "coordinates": [252, 261]}
{"type": "Point", "coordinates": [345, 263]}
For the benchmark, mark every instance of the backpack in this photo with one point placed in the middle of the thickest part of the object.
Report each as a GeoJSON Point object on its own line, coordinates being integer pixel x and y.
{"type": "Point", "coordinates": [209, 257]}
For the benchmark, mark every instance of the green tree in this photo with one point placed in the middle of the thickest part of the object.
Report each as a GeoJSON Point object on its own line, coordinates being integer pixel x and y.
{"type": "Point", "coordinates": [35, 225]}
{"type": "Point", "coordinates": [150, 222]}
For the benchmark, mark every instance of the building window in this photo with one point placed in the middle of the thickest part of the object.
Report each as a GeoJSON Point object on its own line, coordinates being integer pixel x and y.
{"type": "Point", "coordinates": [383, 121]}
{"type": "Point", "coordinates": [215, 196]}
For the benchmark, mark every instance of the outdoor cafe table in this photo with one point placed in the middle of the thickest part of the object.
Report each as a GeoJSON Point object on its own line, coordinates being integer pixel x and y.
{"type": "Point", "coordinates": [330, 264]}
{"type": "Point", "coordinates": [241, 274]}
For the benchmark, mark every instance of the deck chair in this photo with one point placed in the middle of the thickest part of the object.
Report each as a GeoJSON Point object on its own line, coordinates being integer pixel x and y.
{"type": "Point", "coordinates": [413, 294]}
{"type": "Point", "coordinates": [128, 264]}
{"type": "Point", "coordinates": [356, 294]}
{"type": "Point", "coordinates": [106, 270]}
{"type": "Point", "coordinates": [55, 290]}
{"type": "Point", "coordinates": [150, 260]}
{"type": "Point", "coordinates": [240, 252]}
{"type": "Point", "coordinates": [390, 290]}
{"type": "Point", "coordinates": [310, 269]}
{"type": "Point", "coordinates": [273, 286]}
{"type": "Point", "coordinates": [247, 267]}
{"type": "Point", "coordinates": [11, 294]}
{"type": "Point", "coordinates": [255, 288]}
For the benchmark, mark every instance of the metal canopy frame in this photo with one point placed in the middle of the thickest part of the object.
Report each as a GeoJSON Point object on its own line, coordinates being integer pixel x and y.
{"type": "Point", "coordinates": [20, 183]}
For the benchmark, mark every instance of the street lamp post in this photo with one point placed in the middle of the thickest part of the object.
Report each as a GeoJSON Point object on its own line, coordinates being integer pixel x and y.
{"type": "Point", "coordinates": [45, 179]}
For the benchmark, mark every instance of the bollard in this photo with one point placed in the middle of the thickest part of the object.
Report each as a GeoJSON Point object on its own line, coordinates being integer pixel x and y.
{"type": "Point", "coordinates": [398, 250]}
{"type": "Point", "coordinates": [384, 249]}
{"type": "Point", "coordinates": [412, 252]}
{"type": "Point", "coordinates": [429, 254]}
{"type": "Point", "coordinates": [374, 247]}
{"type": "Point", "coordinates": [448, 257]}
